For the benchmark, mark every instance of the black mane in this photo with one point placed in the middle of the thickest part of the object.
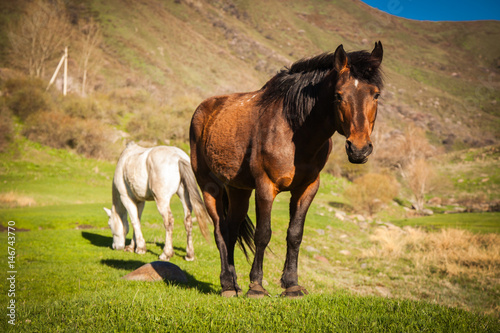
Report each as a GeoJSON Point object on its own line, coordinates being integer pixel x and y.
{"type": "Point", "coordinates": [298, 86]}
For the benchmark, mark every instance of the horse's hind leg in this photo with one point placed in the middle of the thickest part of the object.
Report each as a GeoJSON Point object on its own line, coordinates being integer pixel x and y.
{"type": "Point", "coordinates": [237, 211]}
{"type": "Point", "coordinates": [213, 197]}
{"type": "Point", "coordinates": [188, 222]}
{"type": "Point", "coordinates": [163, 205]}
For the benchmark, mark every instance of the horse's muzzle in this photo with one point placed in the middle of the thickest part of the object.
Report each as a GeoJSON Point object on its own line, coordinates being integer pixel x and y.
{"type": "Point", "coordinates": [356, 155]}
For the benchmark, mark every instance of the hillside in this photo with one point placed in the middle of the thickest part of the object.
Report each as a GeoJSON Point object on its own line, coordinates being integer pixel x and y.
{"type": "Point", "coordinates": [442, 76]}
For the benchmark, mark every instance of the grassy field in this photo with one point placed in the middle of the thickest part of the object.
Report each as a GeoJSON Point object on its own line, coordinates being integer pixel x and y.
{"type": "Point", "coordinates": [69, 279]}
{"type": "Point", "coordinates": [476, 222]}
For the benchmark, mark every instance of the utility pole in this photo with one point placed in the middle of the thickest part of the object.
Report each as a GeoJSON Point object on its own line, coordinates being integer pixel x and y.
{"type": "Point", "coordinates": [65, 80]}
{"type": "Point", "coordinates": [64, 59]}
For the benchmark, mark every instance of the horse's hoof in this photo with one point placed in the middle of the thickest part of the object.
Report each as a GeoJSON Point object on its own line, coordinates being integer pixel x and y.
{"type": "Point", "coordinates": [257, 291]}
{"type": "Point", "coordinates": [231, 293]}
{"type": "Point", "coordinates": [128, 248]}
{"type": "Point", "coordinates": [140, 250]}
{"type": "Point", "coordinates": [189, 258]}
{"type": "Point", "coordinates": [164, 257]}
{"type": "Point", "coordinates": [294, 292]}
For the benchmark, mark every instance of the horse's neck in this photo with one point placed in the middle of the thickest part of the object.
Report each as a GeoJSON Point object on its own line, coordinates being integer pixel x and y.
{"type": "Point", "coordinates": [118, 206]}
{"type": "Point", "coordinates": [316, 130]}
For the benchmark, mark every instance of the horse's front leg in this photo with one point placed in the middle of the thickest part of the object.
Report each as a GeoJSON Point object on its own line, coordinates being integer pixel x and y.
{"type": "Point", "coordinates": [264, 197]}
{"type": "Point", "coordinates": [135, 211]}
{"type": "Point", "coordinates": [299, 204]}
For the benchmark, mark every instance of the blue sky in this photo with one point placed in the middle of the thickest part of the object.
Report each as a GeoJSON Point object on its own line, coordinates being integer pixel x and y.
{"type": "Point", "coordinates": [440, 10]}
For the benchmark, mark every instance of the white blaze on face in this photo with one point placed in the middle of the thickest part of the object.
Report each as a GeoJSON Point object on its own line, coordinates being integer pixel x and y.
{"type": "Point", "coordinates": [356, 82]}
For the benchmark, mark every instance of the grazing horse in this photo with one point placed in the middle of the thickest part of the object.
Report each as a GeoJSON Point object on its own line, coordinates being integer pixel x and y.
{"type": "Point", "coordinates": [146, 174]}
{"type": "Point", "coordinates": [278, 139]}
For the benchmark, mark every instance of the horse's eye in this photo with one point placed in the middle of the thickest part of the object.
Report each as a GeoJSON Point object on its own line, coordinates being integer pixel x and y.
{"type": "Point", "coordinates": [338, 97]}
{"type": "Point", "coordinates": [377, 95]}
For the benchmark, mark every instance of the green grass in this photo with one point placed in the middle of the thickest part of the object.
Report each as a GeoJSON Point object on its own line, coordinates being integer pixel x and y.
{"type": "Point", "coordinates": [54, 176]}
{"type": "Point", "coordinates": [69, 279]}
{"type": "Point", "coordinates": [475, 222]}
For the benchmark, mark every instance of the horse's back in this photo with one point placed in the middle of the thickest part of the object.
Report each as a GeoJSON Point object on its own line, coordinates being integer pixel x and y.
{"type": "Point", "coordinates": [165, 155]}
{"type": "Point", "coordinates": [145, 173]}
{"type": "Point", "coordinates": [163, 170]}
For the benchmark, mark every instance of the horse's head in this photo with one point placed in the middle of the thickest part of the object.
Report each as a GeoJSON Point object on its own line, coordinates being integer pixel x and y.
{"type": "Point", "coordinates": [118, 228]}
{"type": "Point", "coordinates": [355, 98]}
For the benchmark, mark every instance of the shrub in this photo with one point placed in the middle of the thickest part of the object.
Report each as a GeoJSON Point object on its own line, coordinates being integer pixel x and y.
{"type": "Point", "coordinates": [6, 128]}
{"type": "Point", "coordinates": [55, 129]}
{"type": "Point", "coordinates": [159, 125]}
{"type": "Point", "coordinates": [83, 108]}
{"type": "Point", "coordinates": [26, 97]}
{"type": "Point", "coordinates": [370, 192]}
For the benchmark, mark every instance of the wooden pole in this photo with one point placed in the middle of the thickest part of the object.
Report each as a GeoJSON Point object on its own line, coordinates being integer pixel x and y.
{"type": "Point", "coordinates": [65, 81]}
{"type": "Point", "coordinates": [56, 71]}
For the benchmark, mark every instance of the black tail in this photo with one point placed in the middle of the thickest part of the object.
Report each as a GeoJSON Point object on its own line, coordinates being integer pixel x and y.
{"type": "Point", "coordinates": [246, 233]}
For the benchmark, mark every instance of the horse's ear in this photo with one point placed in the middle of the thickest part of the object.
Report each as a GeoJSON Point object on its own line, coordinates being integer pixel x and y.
{"type": "Point", "coordinates": [340, 59]}
{"type": "Point", "coordinates": [377, 53]}
{"type": "Point", "coordinates": [108, 211]}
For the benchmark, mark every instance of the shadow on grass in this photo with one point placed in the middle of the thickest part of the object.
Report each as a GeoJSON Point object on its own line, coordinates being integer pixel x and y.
{"type": "Point", "coordinates": [178, 250]}
{"type": "Point", "coordinates": [340, 205]}
{"type": "Point", "coordinates": [130, 265]}
{"type": "Point", "coordinates": [98, 240]}
{"type": "Point", "coordinates": [127, 265]}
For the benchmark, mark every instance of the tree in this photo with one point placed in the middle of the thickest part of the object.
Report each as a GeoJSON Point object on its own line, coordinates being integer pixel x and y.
{"type": "Point", "coordinates": [91, 40]}
{"type": "Point", "coordinates": [408, 153]}
{"type": "Point", "coordinates": [39, 36]}
{"type": "Point", "coordinates": [421, 179]}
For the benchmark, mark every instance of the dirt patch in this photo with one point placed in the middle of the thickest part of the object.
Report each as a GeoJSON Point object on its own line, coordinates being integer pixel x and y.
{"type": "Point", "coordinates": [84, 227]}
{"type": "Point", "coordinates": [5, 229]}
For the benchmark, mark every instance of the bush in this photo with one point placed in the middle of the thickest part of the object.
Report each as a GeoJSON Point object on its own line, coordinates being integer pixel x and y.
{"type": "Point", "coordinates": [83, 108]}
{"type": "Point", "coordinates": [159, 126]}
{"type": "Point", "coordinates": [6, 128]}
{"type": "Point", "coordinates": [370, 192]}
{"type": "Point", "coordinates": [26, 97]}
{"type": "Point", "coordinates": [55, 129]}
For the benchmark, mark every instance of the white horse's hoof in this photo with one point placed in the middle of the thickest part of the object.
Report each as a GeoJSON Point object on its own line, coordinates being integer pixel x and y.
{"type": "Point", "coordinates": [189, 258]}
{"type": "Point", "coordinates": [164, 257]}
{"type": "Point", "coordinates": [128, 248]}
{"type": "Point", "coordinates": [140, 250]}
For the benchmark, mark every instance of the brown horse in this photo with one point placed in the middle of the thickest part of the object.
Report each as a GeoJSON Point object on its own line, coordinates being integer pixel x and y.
{"type": "Point", "coordinates": [278, 139]}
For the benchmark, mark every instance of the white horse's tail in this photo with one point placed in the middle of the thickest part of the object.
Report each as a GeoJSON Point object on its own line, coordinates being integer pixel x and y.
{"type": "Point", "coordinates": [189, 182]}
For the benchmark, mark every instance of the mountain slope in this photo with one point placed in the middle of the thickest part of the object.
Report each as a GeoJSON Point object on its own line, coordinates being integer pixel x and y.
{"type": "Point", "coordinates": [442, 76]}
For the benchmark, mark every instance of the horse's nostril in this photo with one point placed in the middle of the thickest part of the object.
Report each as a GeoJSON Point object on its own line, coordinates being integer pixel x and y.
{"type": "Point", "coordinates": [348, 146]}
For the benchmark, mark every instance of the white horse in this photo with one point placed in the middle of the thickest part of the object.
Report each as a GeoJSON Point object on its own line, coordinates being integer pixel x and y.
{"type": "Point", "coordinates": [146, 174]}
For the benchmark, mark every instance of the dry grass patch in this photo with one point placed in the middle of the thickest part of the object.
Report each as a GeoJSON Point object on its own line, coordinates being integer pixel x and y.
{"type": "Point", "coordinates": [450, 251]}
{"type": "Point", "coordinates": [12, 199]}
{"type": "Point", "coordinates": [451, 267]}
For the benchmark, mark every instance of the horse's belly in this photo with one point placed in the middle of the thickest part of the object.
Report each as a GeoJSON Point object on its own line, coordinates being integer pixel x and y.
{"type": "Point", "coordinates": [228, 153]}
